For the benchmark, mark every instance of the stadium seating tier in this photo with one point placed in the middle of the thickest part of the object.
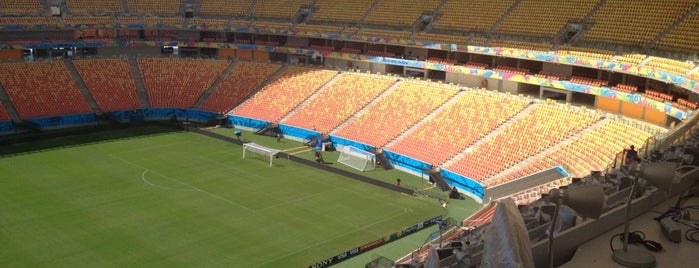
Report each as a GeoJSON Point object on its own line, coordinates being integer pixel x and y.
{"type": "Point", "coordinates": [240, 83]}
{"type": "Point", "coordinates": [110, 82]}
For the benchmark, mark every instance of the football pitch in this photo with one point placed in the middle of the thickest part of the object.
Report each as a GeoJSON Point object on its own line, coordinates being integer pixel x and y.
{"type": "Point", "coordinates": [150, 197]}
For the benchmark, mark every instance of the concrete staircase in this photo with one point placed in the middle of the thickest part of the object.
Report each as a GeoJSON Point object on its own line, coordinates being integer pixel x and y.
{"type": "Point", "coordinates": [312, 96]}
{"type": "Point", "coordinates": [9, 107]}
{"type": "Point", "coordinates": [495, 131]}
{"type": "Point", "coordinates": [547, 151]}
{"type": "Point", "coordinates": [368, 12]}
{"type": "Point", "coordinates": [504, 16]}
{"type": "Point", "coordinates": [138, 80]}
{"type": "Point", "coordinates": [594, 10]}
{"type": "Point", "coordinates": [264, 84]}
{"type": "Point", "coordinates": [205, 95]}
{"type": "Point", "coordinates": [367, 106]}
{"type": "Point", "coordinates": [669, 29]}
{"type": "Point", "coordinates": [81, 85]}
{"type": "Point", "coordinates": [427, 118]}
{"type": "Point", "coordinates": [126, 6]}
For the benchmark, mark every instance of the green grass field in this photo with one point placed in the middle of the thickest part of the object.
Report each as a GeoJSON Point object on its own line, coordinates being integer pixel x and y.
{"type": "Point", "coordinates": [149, 197]}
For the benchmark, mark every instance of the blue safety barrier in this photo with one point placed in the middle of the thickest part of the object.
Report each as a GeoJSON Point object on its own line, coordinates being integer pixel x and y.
{"type": "Point", "coordinates": [298, 132]}
{"type": "Point", "coordinates": [247, 122]}
{"type": "Point", "coordinates": [342, 141]}
{"type": "Point", "coordinates": [463, 183]}
{"type": "Point", "coordinates": [7, 126]}
{"type": "Point", "coordinates": [62, 121]}
{"type": "Point", "coordinates": [406, 162]}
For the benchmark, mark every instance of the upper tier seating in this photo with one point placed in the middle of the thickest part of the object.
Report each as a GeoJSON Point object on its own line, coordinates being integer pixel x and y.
{"type": "Point", "coordinates": [522, 20]}
{"type": "Point", "coordinates": [400, 13]}
{"type": "Point", "coordinates": [348, 94]}
{"type": "Point", "coordinates": [401, 108]}
{"type": "Point", "coordinates": [471, 116]}
{"type": "Point", "coordinates": [535, 131]}
{"type": "Point", "coordinates": [512, 44]}
{"type": "Point", "coordinates": [243, 80]}
{"type": "Point", "coordinates": [110, 82]}
{"type": "Point", "coordinates": [39, 89]}
{"type": "Point", "coordinates": [277, 99]}
{"type": "Point", "coordinates": [441, 38]}
{"type": "Point", "coordinates": [178, 83]}
{"type": "Point", "coordinates": [476, 15]}
{"type": "Point", "coordinates": [236, 8]}
{"type": "Point", "coordinates": [281, 9]}
{"type": "Point", "coordinates": [94, 6]}
{"type": "Point", "coordinates": [670, 66]}
{"type": "Point", "coordinates": [384, 33]}
{"type": "Point", "coordinates": [165, 7]}
{"type": "Point", "coordinates": [586, 53]}
{"type": "Point", "coordinates": [594, 150]}
{"type": "Point", "coordinates": [683, 38]}
{"type": "Point", "coordinates": [319, 28]}
{"type": "Point", "coordinates": [29, 20]}
{"type": "Point", "coordinates": [20, 7]}
{"type": "Point", "coordinates": [341, 10]}
{"type": "Point", "coordinates": [634, 22]}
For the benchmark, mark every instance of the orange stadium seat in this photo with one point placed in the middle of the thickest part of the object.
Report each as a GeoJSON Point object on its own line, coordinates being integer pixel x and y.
{"type": "Point", "coordinates": [40, 89]}
{"type": "Point", "coordinates": [236, 8]}
{"type": "Point", "coordinates": [240, 83]}
{"type": "Point", "coordinates": [642, 20]}
{"type": "Point", "coordinates": [165, 7]}
{"type": "Point", "coordinates": [276, 99]}
{"type": "Point", "coordinates": [684, 37]}
{"type": "Point", "coordinates": [386, 122]}
{"type": "Point", "coordinates": [537, 130]}
{"type": "Point", "coordinates": [21, 7]}
{"type": "Point", "coordinates": [399, 13]}
{"type": "Point", "coordinates": [471, 116]}
{"type": "Point", "coordinates": [110, 82]}
{"type": "Point", "coordinates": [482, 14]}
{"type": "Point", "coordinates": [341, 10]}
{"type": "Point", "coordinates": [3, 114]}
{"type": "Point", "coordinates": [94, 6]}
{"type": "Point", "coordinates": [558, 13]}
{"type": "Point", "coordinates": [178, 83]}
{"type": "Point", "coordinates": [348, 94]}
{"type": "Point", "coordinates": [280, 9]}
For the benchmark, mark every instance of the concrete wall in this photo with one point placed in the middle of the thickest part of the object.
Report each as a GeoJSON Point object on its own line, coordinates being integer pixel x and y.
{"type": "Point", "coordinates": [557, 68]}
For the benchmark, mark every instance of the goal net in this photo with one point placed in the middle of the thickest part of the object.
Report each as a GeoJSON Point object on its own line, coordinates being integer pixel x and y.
{"type": "Point", "coordinates": [357, 158]}
{"type": "Point", "coordinates": [259, 149]}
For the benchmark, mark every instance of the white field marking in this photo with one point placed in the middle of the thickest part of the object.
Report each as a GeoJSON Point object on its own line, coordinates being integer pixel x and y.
{"type": "Point", "coordinates": [143, 178]}
{"type": "Point", "coordinates": [332, 238]}
{"type": "Point", "coordinates": [186, 184]}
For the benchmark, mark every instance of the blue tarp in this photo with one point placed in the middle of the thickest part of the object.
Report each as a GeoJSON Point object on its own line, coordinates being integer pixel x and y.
{"type": "Point", "coordinates": [63, 120]}
{"type": "Point", "coordinates": [463, 183]}
{"type": "Point", "coordinates": [247, 122]}
{"type": "Point", "coordinates": [406, 162]}
{"type": "Point", "coordinates": [342, 141]}
{"type": "Point", "coordinates": [7, 126]}
{"type": "Point", "coordinates": [179, 114]}
{"type": "Point", "coordinates": [298, 132]}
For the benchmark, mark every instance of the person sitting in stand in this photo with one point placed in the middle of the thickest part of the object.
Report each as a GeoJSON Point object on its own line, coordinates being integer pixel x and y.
{"type": "Point", "coordinates": [632, 155]}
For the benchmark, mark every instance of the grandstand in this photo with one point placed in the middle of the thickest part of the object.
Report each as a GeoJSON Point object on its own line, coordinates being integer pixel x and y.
{"type": "Point", "coordinates": [178, 83]}
{"type": "Point", "coordinates": [240, 83]}
{"type": "Point", "coordinates": [110, 83]}
{"type": "Point", "coordinates": [274, 100]}
{"type": "Point", "coordinates": [343, 71]}
{"type": "Point", "coordinates": [416, 99]}
{"type": "Point", "coordinates": [343, 98]}
{"type": "Point", "coordinates": [42, 89]}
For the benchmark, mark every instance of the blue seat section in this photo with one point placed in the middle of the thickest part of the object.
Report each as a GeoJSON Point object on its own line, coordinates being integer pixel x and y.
{"type": "Point", "coordinates": [463, 183]}
{"type": "Point", "coordinates": [407, 162]}
{"type": "Point", "coordinates": [7, 126]}
{"type": "Point", "coordinates": [342, 141]}
{"type": "Point", "coordinates": [247, 122]}
{"type": "Point", "coordinates": [298, 132]}
{"type": "Point", "coordinates": [62, 120]}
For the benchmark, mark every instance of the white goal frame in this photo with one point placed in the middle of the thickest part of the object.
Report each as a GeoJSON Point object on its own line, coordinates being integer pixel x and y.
{"type": "Point", "coordinates": [357, 158]}
{"type": "Point", "coordinates": [259, 149]}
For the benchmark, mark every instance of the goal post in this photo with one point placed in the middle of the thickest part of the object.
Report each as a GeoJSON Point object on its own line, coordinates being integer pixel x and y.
{"type": "Point", "coordinates": [357, 158]}
{"type": "Point", "coordinates": [259, 149]}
